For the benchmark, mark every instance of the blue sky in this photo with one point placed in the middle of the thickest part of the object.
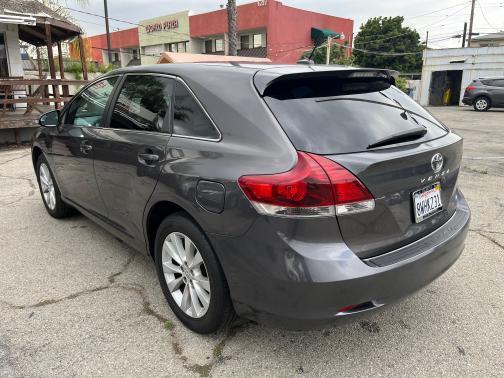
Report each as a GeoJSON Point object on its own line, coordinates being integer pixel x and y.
{"type": "Point", "coordinates": [441, 23]}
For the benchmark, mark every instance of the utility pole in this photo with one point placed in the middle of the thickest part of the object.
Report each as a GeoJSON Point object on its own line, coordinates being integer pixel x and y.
{"type": "Point", "coordinates": [464, 35]}
{"type": "Point", "coordinates": [471, 24]}
{"type": "Point", "coordinates": [350, 50]}
{"type": "Point", "coordinates": [232, 35]}
{"type": "Point", "coordinates": [427, 40]}
{"type": "Point", "coordinates": [328, 50]}
{"type": "Point", "coordinates": [109, 51]}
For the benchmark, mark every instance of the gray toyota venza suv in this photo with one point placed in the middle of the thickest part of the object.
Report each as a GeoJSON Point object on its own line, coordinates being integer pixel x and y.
{"type": "Point", "coordinates": [290, 195]}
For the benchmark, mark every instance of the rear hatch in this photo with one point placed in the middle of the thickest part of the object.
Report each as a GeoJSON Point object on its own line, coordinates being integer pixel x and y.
{"type": "Point", "coordinates": [390, 143]}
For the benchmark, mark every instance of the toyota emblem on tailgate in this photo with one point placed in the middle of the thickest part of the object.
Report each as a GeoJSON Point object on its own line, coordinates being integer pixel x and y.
{"type": "Point", "coordinates": [437, 162]}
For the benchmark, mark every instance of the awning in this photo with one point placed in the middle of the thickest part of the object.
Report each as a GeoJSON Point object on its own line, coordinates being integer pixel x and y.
{"type": "Point", "coordinates": [32, 17]}
{"type": "Point", "coordinates": [319, 36]}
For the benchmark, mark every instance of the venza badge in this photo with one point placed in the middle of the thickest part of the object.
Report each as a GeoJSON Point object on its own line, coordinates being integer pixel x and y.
{"type": "Point", "coordinates": [437, 162]}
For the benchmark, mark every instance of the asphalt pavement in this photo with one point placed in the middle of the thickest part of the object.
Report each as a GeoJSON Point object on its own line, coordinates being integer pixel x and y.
{"type": "Point", "coordinates": [76, 301]}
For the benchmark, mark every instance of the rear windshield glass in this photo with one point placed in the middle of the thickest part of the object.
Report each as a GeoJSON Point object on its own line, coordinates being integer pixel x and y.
{"type": "Point", "coordinates": [349, 117]}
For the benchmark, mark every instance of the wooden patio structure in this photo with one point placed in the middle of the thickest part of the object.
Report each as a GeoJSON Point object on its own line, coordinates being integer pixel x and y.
{"type": "Point", "coordinates": [46, 29]}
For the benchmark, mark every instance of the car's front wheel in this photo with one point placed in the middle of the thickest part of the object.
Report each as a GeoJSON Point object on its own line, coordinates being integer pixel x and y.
{"type": "Point", "coordinates": [481, 104]}
{"type": "Point", "coordinates": [49, 191]}
{"type": "Point", "coordinates": [190, 275]}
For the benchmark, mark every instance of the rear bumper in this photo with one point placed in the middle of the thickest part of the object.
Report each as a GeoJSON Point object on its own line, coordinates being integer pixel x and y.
{"type": "Point", "coordinates": [467, 100]}
{"type": "Point", "coordinates": [301, 285]}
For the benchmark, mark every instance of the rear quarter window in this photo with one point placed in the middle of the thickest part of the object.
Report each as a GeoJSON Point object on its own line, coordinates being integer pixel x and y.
{"type": "Point", "coordinates": [189, 118]}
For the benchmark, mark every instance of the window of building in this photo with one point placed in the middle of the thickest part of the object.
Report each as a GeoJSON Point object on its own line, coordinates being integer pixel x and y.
{"type": "Point", "coordinates": [189, 119]}
{"type": "Point", "coordinates": [154, 50]}
{"type": "Point", "coordinates": [135, 54]}
{"type": "Point", "coordinates": [88, 109]}
{"type": "Point", "coordinates": [180, 47]}
{"type": "Point", "coordinates": [4, 64]}
{"type": "Point", "coordinates": [144, 104]}
{"type": "Point", "coordinates": [219, 45]}
{"type": "Point", "coordinates": [245, 42]}
{"type": "Point", "coordinates": [208, 46]}
{"type": "Point", "coordinates": [258, 40]}
{"type": "Point", "coordinates": [116, 57]}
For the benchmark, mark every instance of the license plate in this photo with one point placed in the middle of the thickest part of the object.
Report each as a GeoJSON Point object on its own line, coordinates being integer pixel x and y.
{"type": "Point", "coordinates": [427, 202]}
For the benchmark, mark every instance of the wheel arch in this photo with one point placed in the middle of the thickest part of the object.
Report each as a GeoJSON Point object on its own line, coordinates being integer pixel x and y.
{"type": "Point", "coordinates": [156, 214]}
{"type": "Point", "coordinates": [36, 152]}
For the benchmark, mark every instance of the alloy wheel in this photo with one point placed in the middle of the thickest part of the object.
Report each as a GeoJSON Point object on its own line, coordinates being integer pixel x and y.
{"type": "Point", "coordinates": [481, 104]}
{"type": "Point", "coordinates": [186, 275]}
{"type": "Point", "coordinates": [47, 186]}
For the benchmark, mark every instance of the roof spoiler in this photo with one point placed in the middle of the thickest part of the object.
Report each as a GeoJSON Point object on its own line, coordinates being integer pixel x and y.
{"type": "Point", "coordinates": [265, 78]}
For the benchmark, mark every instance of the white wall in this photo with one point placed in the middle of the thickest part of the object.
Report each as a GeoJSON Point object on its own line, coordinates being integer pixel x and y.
{"type": "Point", "coordinates": [126, 55]}
{"type": "Point", "coordinates": [477, 62]}
{"type": "Point", "coordinates": [105, 58]}
{"type": "Point", "coordinates": [196, 46]}
{"type": "Point", "coordinates": [13, 50]}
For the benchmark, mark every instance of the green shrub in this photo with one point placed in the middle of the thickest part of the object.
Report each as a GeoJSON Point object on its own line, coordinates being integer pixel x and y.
{"type": "Point", "coordinates": [103, 68]}
{"type": "Point", "coordinates": [91, 67]}
{"type": "Point", "coordinates": [402, 84]}
{"type": "Point", "coordinates": [74, 68]}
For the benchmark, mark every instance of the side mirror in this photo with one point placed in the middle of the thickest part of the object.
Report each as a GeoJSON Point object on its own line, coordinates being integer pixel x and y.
{"type": "Point", "coordinates": [50, 119]}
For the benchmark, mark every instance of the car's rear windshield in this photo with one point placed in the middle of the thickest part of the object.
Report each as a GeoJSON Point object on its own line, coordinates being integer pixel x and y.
{"type": "Point", "coordinates": [334, 115]}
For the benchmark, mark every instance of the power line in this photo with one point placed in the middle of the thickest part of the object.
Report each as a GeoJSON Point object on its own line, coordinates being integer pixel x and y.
{"type": "Point", "coordinates": [439, 10]}
{"type": "Point", "coordinates": [447, 17]}
{"type": "Point", "coordinates": [184, 34]}
{"type": "Point", "coordinates": [375, 52]}
{"type": "Point", "coordinates": [125, 22]}
{"type": "Point", "coordinates": [484, 16]}
{"type": "Point", "coordinates": [381, 53]}
{"type": "Point", "coordinates": [420, 27]}
{"type": "Point", "coordinates": [88, 22]}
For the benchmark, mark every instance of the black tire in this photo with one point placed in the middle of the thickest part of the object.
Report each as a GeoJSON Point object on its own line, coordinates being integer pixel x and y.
{"type": "Point", "coordinates": [481, 104]}
{"type": "Point", "coordinates": [220, 311]}
{"type": "Point", "coordinates": [61, 209]}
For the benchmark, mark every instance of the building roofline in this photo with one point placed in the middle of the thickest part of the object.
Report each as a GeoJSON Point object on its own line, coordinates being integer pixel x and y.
{"type": "Point", "coordinates": [489, 37]}
{"type": "Point", "coordinates": [315, 12]}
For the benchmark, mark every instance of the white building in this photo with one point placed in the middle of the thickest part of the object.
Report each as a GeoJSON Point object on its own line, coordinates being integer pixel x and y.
{"type": "Point", "coordinates": [488, 40]}
{"type": "Point", "coordinates": [455, 69]}
{"type": "Point", "coordinates": [10, 53]}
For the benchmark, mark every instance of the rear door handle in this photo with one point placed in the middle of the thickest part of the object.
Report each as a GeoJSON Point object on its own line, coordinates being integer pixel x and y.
{"type": "Point", "coordinates": [86, 146]}
{"type": "Point", "coordinates": [148, 159]}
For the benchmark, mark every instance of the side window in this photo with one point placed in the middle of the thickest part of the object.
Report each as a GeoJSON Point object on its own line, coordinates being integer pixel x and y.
{"type": "Point", "coordinates": [499, 83]}
{"type": "Point", "coordinates": [189, 119]}
{"type": "Point", "coordinates": [88, 109]}
{"type": "Point", "coordinates": [144, 103]}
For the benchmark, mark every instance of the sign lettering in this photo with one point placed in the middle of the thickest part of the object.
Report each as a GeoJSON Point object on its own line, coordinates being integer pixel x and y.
{"type": "Point", "coordinates": [162, 26]}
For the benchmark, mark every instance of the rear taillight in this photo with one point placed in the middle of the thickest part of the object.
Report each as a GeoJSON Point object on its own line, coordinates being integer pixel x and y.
{"type": "Point", "coordinates": [315, 187]}
{"type": "Point", "coordinates": [470, 88]}
{"type": "Point", "coordinates": [350, 195]}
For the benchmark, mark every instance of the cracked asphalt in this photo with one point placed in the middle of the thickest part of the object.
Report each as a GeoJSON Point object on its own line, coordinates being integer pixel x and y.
{"type": "Point", "coordinates": [76, 301]}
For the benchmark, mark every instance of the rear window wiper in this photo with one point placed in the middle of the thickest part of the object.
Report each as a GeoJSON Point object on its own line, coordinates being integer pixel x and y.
{"type": "Point", "coordinates": [404, 136]}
